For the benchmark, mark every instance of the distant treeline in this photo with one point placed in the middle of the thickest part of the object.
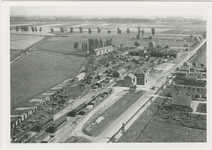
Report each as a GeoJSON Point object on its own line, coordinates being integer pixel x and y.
{"type": "Point", "coordinates": [97, 19]}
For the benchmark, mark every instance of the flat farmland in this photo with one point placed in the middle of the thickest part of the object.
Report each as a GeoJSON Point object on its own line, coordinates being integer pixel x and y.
{"type": "Point", "coordinates": [15, 53]}
{"type": "Point", "coordinates": [66, 44]}
{"type": "Point", "coordinates": [185, 31]}
{"type": "Point", "coordinates": [164, 132]}
{"type": "Point", "coordinates": [63, 45]}
{"type": "Point", "coordinates": [38, 71]}
{"type": "Point", "coordinates": [21, 42]}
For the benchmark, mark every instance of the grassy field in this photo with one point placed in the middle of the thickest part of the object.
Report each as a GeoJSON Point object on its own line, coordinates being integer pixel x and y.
{"type": "Point", "coordinates": [185, 31]}
{"type": "Point", "coordinates": [111, 113]}
{"type": "Point", "coordinates": [132, 134]}
{"type": "Point", "coordinates": [15, 53]}
{"type": "Point", "coordinates": [21, 42]}
{"type": "Point", "coordinates": [38, 71]}
{"type": "Point", "coordinates": [62, 45]}
{"type": "Point", "coordinates": [66, 44]}
{"type": "Point", "coordinates": [164, 132]}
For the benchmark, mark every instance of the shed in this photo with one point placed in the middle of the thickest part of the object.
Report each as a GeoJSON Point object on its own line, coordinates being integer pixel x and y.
{"type": "Point", "coordinates": [43, 124]}
{"type": "Point", "coordinates": [120, 73]}
{"type": "Point", "coordinates": [181, 102]}
{"type": "Point", "coordinates": [57, 124]}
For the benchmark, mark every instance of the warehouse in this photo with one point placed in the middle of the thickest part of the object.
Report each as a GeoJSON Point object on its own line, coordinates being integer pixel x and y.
{"type": "Point", "coordinates": [57, 124]}
{"type": "Point", "coordinates": [166, 52]}
{"type": "Point", "coordinates": [142, 52]}
{"type": "Point", "coordinates": [43, 124]}
{"type": "Point", "coordinates": [74, 112]}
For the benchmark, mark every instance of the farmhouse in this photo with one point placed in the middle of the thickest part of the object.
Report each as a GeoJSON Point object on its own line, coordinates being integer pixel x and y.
{"type": "Point", "coordinates": [181, 102]}
{"type": "Point", "coordinates": [140, 74]}
{"type": "Point", "coordinates": [120, 73]}
{"type": "Point", "coordinates": [80, 77]}
{"type": "Point", "coordinates": [130, 79]}
{"type": "Point", "coordinates": [101, 51]}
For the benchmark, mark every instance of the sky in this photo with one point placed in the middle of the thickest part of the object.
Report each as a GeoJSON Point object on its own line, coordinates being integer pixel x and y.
{"type": "Point", "coordinates": [113, 9]}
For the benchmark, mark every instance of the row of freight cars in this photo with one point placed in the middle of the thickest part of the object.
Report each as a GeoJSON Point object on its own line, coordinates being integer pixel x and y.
{"type": "Point", "coordinates": [48, 124]}
{"type": "Point", "coordinates": [86, 107]}
{"type": "Point", "coordinates": [51, 126]}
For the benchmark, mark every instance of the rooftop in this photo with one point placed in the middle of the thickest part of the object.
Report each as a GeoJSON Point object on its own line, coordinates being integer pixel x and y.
{"type": "Point", "coordinates": [138, 70]}
{"type": "Point", "coordinates": [182, 100]}
{"type": "Point", "coordinates": [122, 71]}
{"type": "Point", "coordinates": [131, 75]}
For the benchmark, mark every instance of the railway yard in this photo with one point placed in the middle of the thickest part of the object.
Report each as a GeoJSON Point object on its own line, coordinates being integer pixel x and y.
{"type": "Point", "coordinates": [113, 90]}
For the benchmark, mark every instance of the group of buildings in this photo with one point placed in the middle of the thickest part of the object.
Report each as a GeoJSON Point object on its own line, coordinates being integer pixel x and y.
{"type": "Point", "coordinates": [24, 110]}
{"type": "Point", "coordinates": [153, 51]}
{"type": "Point", "coordinates": [101, 51]}
{"type": "Point", "coordinates": [135, 77]}
{"type": "Point", "coordinates": [188, 75]}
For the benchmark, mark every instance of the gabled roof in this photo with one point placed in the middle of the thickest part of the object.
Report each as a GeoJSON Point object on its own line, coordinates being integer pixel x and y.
{"type": "Point", "coordinates": [122, 71]}
{"type": "Point", "coordinates": [181, 99]}
{"type": "Point", "coordinates": [138, 70]}
{"type": "Point", "coordinates": [131, 75]}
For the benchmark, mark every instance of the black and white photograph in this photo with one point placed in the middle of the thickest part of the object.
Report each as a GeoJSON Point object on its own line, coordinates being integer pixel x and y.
{"type": "Point", "coordinates": [107, 72]}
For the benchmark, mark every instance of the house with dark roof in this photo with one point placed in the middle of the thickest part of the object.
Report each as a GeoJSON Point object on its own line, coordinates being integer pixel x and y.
{"type": "Point", "coordinates": [140, 74]}
{"type": "Point", "coordinates": [182, 102]}
{"type": "Point", "coordinates": [120, 73]}
{"type": "Point", "coordinates": [130, 79]}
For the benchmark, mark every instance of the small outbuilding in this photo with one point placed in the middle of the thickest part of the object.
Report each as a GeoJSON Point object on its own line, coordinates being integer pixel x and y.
{"type": "Point", "coordinates": [181, 102]}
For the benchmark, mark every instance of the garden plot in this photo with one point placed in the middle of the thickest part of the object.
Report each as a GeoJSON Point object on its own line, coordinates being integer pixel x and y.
{"type": "Point", "coordinates": [164, 132]}
{"type": "Point", "coordinates": [38, 71]}
{"type": "Point", "coordinates": [202, 59]}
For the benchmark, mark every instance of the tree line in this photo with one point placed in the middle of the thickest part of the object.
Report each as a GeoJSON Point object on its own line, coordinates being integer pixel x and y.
{"type": "Point", "coordinates": [119, 31]}
{"type": "Point", "coordinates": [25, 29]}
{"type": "Point", "coordinates": [91, 44]}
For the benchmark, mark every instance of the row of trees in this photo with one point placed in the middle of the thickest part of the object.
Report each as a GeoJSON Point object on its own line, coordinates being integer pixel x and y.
{"type": "Point", "coordinates": [119, 31]}
{"type": "Point", "coordinates": [25, 29]}
{"type": "Point", "coordinates": [93, 44]}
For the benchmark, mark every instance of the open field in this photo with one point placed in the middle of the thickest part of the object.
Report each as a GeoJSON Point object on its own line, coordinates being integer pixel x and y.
{"type": "Point", "coordinates": [62, 45]}
{"type": "Point", "coordinates": [111, 113]}
{"type": "Point", "coordinates": [38, 71]}
{"type": "Point", "coordinates": [66, 44]}
{"type": "Point", "coordinates": [21, 42]}
{"type": "Point", "coordinates": [139, 125]}
{"type": "Point", "coordinates": [164, 132]}
{"type": "Point", "coordinates": [15, 53]}
{"type": "Point", "coordinates": [185, 31]}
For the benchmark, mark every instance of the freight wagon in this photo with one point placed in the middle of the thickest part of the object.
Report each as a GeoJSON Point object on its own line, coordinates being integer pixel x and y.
{"type": "Point", "coordinates": [57, 124]}
{"type": "Point", "coordinates": [74, 112]}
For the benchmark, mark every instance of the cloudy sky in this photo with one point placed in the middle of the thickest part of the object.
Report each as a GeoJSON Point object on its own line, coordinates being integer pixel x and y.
{"type": "Point", "coordinates": [113, 9]}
